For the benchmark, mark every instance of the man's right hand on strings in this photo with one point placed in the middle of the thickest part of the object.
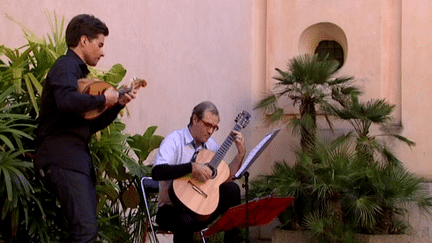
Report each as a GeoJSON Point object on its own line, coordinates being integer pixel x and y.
{"type": "Point", "coordinates": [201, 172]}
{"type": "Point", "coordinates": [111, 97]}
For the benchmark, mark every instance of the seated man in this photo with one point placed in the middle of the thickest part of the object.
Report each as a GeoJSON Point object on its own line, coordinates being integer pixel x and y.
{"type": "Point", "coordinates": [176, 158]}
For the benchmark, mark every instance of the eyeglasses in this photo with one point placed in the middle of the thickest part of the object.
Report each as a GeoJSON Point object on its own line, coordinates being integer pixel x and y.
{"type": "Point", "coordinates": [209, 125]}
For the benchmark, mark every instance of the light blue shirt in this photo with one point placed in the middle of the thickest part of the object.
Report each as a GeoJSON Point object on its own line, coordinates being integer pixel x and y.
{"type": "Point", "coordinates": [177, 148]}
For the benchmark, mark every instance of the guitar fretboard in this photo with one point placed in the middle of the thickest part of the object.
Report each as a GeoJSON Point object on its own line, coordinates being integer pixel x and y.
{"type": "Point", "coordinates": [217, 158]}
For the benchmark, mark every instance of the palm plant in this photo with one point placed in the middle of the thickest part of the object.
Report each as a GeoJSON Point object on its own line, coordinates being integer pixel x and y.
{"type": "Point", "coordinates": [309, 83]}
{"type": "Point", "coordinates": [28, 65]}
{"type": "Point", "coordinates": [334, 169]}
{"type": "Point", "coordinates": [362, 115]}
{"type": "Point", "coordinates": [317, 181]}
{"type": "Point", "coordinates": [352, 184]}
{"type": "Point", "coordinates": [16, 186]}
{"type": "Point", "coordinates": [352, 194]}
{"type": "Point", "coordinates": [389, 191]}
{"type": "Point", "coordinates": [339, 193]}
{"type": "Point", "coordinates": [26, 205]}
{"type": "Point", "coordinates": [13, 127]}
{"type": "Point", "coordinates": [391, 185]}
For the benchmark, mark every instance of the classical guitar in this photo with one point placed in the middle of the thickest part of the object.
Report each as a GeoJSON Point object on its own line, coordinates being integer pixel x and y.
{"type": "Point", "coordinates": [98, 87]}
{"type": "Point", "coordinates": [203, 198]}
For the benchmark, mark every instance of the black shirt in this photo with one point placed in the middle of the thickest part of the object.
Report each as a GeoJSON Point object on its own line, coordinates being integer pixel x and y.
{"type": "Point", "coordinates": [63, 134]}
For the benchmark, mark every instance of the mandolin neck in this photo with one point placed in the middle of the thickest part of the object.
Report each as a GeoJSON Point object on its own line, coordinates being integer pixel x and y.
{"type": "Point", "coordinates": [136, 84]}
{"type": "Point", "coordinates": [124, 91]}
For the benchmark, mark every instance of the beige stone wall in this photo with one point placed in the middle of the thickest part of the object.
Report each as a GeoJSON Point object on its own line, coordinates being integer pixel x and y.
{"type": "Point", "coordinates": [226, 51]}
{"type": "Point", "coordinates": [417, 85]}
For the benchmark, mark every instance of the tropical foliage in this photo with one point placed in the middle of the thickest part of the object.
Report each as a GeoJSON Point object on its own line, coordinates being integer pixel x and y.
{"type": "Point", "coordinates": [351, 184]}
{"type": "Point", "coordinates": [310, 84]}
{"type": "Point", "coordinates": [361, 116]}
{"type": "Point", "coordinates": [31, 213]}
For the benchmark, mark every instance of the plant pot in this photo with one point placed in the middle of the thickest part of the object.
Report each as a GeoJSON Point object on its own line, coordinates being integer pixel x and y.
{"type": "Point", "coordinates": [387, 239]}
{"type": "Point", "coordinates": [293, 236]}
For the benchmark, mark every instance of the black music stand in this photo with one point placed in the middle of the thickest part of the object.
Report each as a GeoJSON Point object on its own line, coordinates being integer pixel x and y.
{"type": "Point", "coordinates": [243, 171]}
{"type": "Point", "coordinates": [261, 212]}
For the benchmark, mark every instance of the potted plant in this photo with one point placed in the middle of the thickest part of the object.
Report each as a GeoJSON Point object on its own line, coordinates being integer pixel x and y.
{"type": "Point", "coordinates": [349, 185]}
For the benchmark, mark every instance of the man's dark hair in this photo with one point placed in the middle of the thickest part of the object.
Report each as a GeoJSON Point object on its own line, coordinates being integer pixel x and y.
{"type": "Point", "coordinates": [84, 24]}
{"type": "Point", "coordinates": [201, 108]}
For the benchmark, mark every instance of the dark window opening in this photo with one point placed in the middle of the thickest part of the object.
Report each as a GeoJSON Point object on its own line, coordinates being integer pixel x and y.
{"type": "Point", "coordinates": [332, 49]}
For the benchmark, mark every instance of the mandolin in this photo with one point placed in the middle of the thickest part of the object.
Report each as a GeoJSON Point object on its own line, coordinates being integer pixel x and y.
{"type": "Point", "coordinates": [98, 87]}
{"type": "Point", "coordinates": [202, 198]}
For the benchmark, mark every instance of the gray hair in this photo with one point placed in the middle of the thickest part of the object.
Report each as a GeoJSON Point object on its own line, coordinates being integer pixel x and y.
{"type": "Point", "coordinates": [201, 108]}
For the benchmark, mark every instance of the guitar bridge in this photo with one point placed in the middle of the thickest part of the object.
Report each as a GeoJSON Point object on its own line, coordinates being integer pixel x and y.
{"type": "Point", "coordinates": [198, 190]}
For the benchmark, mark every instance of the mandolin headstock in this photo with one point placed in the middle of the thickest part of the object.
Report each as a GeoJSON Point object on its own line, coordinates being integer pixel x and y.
{"type": "Point", "coordinates": [138, 83]}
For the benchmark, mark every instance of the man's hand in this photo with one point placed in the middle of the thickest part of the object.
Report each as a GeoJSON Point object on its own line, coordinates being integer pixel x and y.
{"type": "Point", "coordinates": [111, 97]}
{"type": "Point", "coordinates": [201, 172]}
{"type": "Point", "coordinates": [239, 140]}
{"type": "Point", "coordinates": [241, 151]}
{"type": "Point", "coordinates": [127, 97]}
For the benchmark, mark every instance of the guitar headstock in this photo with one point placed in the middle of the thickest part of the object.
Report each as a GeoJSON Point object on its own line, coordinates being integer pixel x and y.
{"type": "Point", "coordinates": [138, 83]}
{"type": "Point", "coordinates": [243, 119]}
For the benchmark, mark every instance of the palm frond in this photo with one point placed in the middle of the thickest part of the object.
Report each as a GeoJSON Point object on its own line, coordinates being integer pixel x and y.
{"type": "Point", "coordinates": [365, 210]}
{"type": "Point", "coordinates": [268, 103]}
{"type": "Point", "coordinates": [403, 139]}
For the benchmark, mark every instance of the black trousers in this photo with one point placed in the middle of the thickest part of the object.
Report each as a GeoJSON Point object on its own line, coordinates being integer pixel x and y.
{"type": "Point", "coordinates": [180, 221]}
{"type": "Point", "coordinates": [77, 195]}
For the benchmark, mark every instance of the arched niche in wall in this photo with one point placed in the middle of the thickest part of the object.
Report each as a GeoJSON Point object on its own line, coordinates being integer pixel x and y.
{"type": "Point", "coordinates": [322, 33]}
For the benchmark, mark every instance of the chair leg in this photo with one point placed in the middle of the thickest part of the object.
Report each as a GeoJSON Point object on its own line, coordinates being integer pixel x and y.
{"type": "Point", "coordinates": [154, 238]}
{"type": "Point", "coordinates": [202, 235]}
{"type": "Point", "coordinates": [153, 234]}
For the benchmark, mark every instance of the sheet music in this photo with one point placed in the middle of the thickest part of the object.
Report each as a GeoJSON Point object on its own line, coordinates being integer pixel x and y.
{"type": "Point", "coordinates": [253, 155]}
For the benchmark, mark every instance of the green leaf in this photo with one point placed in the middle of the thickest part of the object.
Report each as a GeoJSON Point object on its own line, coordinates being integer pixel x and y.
{"type": "Point", "coordinates": [115, 75]}
{"type": "Point", "coordinates": [8, 183]}
{"type": "Point", "coordinates": [35, 83]}
{"type": "Point", "coordinates": [6, 141]}
{"type": "Point", "coordinates": [155, 142]}
{"type": "Point", "coordinates": [135, 169]}
{"type": "Point", "coordinates": [149, 132]}
{"type": "Point", "coordinates": [144, 144]}
{"type": "Point", "coordinates": [30, 91]}
{"type": "Point", "coordinates": [17, 77]}
{"type": "Point", "coordinates": [6, 94]}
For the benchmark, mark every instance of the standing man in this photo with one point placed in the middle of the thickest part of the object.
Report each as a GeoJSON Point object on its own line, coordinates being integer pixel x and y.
{"type": "Point", "coordinates": [175, 159]}
{"type": "Point", "coordinates": [62, 157]}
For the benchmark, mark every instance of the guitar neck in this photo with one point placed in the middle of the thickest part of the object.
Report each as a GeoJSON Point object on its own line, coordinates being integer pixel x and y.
{"type": "Point", "coordinates": [217, 158]}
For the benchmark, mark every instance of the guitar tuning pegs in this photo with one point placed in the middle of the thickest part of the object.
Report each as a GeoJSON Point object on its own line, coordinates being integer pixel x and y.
{"type": "Point", "coordinates": [242, 118]}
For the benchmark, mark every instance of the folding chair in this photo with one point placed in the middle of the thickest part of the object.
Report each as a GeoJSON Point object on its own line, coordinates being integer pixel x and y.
{"type": "Point", "coordinates": [150, 186]}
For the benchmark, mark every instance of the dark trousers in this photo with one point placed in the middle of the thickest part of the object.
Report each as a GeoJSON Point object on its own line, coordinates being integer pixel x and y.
{"type": "Point", "coordinates": [180, 221]}
{"type": "Point", "coordinates": [77, 195]}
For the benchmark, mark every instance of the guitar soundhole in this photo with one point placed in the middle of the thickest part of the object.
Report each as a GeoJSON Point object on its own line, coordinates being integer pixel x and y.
{"type": "Point", "coordinates": [214, 171]}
